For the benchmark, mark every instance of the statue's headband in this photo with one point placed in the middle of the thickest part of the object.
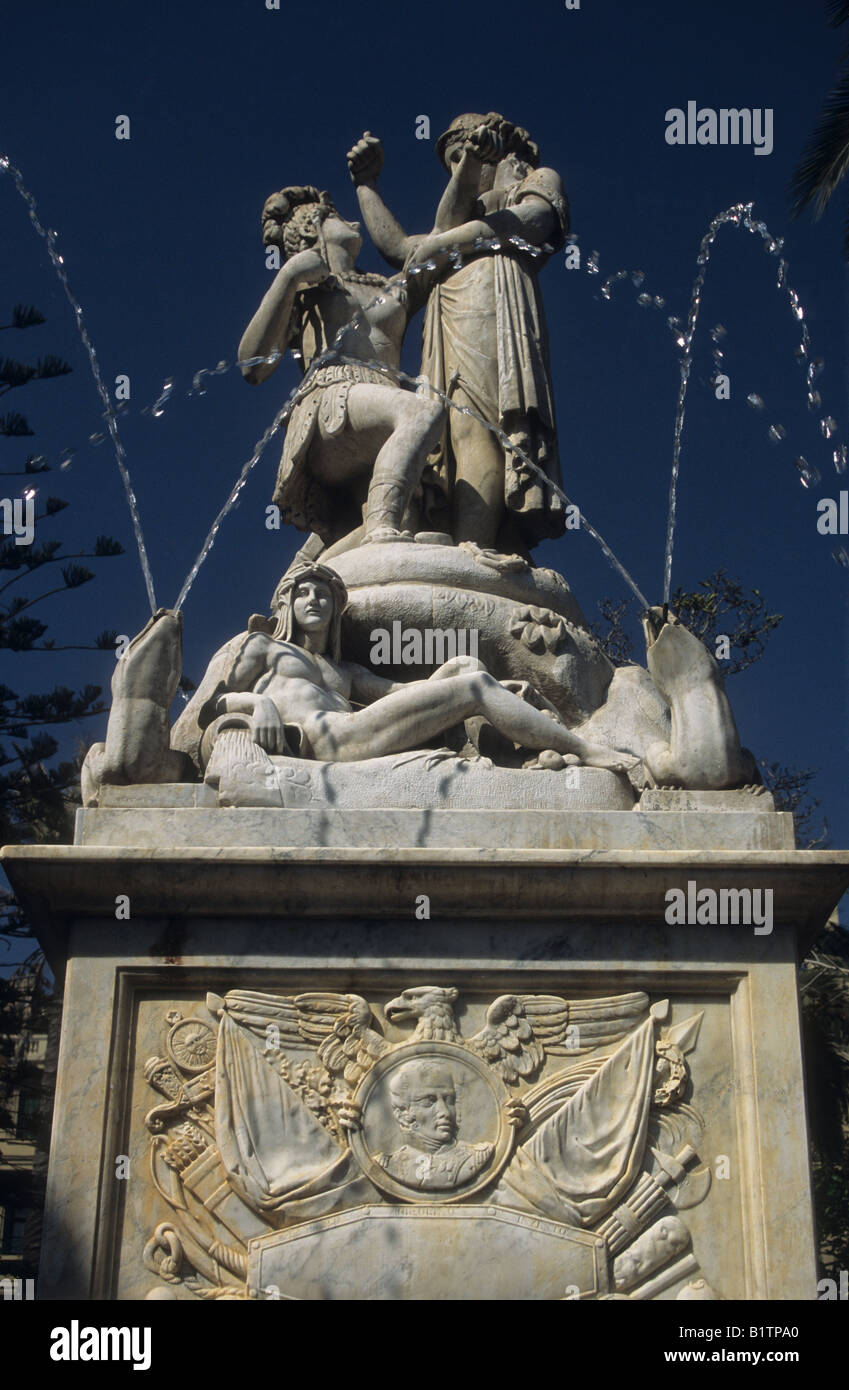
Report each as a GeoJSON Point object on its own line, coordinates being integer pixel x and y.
{"type": "Point", "coordinates": [300, 574]}
{"type": "Point", "coordinates": [516, 140]}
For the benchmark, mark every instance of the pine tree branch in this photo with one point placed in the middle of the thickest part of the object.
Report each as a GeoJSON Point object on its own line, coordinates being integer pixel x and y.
{"type": "Point", "coordinates": [71, 646]}
{"type": "Point", "coordinates": [39, 598]}
{"type": "Point", "coordinates": [50, 560]}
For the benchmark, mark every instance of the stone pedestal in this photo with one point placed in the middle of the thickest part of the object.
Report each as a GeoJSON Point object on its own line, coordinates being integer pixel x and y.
{"type": "Point", "coordinates": [183, 1086]}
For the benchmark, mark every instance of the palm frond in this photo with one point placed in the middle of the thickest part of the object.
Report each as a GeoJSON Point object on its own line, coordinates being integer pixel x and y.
{"type": "Point", "coordinates": [837, 11]}
{"type": "Point", "coordinates": [825, 160]}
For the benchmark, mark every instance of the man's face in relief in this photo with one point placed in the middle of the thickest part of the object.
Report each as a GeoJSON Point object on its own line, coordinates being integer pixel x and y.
{"type": "Point", "coordinates": [425, 1104]}
{"type": "Point", "coordinates": [312, 606]}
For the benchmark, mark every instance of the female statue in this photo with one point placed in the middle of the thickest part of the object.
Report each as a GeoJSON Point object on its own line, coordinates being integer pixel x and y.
{"type": "Point", "coordinates": [356, 442]}
{"type": "Point", "coordinates": [485, 339]}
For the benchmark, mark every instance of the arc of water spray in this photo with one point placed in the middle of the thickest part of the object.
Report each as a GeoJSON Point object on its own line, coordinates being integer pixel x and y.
{"type": "Point", "coordinates": [739, 214]}
{"type": "Point", "coordinates": [734, 215]}
{"type": "Point", "coordinates": [232, 497]}
{"type": "Point", "coordinates": [331, 355]}
{"type": "Point", "coordinates": [57, 261]}
{"type": "Point", "coordinates": [323, 360]}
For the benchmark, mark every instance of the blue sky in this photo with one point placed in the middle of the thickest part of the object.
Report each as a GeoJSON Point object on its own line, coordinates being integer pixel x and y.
{"type": "Point", "coordinates": [229, 101]}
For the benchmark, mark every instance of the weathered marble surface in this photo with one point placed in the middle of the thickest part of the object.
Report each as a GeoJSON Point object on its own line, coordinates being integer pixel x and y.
{"type": "Point", "coordinates": [470, 568]}
{"type": "Point", "coordinates": [340, 827]}
{"type": "Point", "coordinates": [703, 750]}
{"type": "Point", "coordinates": [556, 924]}
{"type": "Point", "coordinates": [603, 886]}
{"type": "Point", "coordinates": [526, 622]}
{"type": "Point", "coordinates": [749, 1233]}
{"type": "Point", "coordinates": [137, 747]}
{"type": "Point", "coordinates": [424, 780]}
{"type": "Point", "coordinates": [411, 1253]}
{"type": "Point", "coordinates": [749, 800]}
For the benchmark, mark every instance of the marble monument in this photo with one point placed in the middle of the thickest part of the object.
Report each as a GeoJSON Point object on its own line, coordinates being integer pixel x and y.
{"type": "Point", "coordinates": [371, 979]}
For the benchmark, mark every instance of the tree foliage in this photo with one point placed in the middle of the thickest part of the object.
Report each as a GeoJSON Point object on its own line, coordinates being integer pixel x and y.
{"type": "Point", "coordinates": [27, 1084]}
{"type": "Point", "coordinates": [824, 990]}
{"type": "Point", "coordinates": [720, 606]}
{"type": "Point", "coordinates": [36, 790]}
{"type": "Point", "coordinates": [825, 159]}
{"type": "Point", "coordinates": [23, 1002]}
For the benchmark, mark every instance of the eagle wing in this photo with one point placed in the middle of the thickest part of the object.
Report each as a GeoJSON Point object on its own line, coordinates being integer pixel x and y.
{"type": "Point", "coordinates": [521, 1029]}
{"type": "Point", "coordinates": [338, 1026]}
{"type": "Point", "coordinates": [352, 1047]}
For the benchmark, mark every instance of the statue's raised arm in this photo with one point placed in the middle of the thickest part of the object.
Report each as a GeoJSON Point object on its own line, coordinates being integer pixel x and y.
{"type": "Point", "coordinates": [365, 161]}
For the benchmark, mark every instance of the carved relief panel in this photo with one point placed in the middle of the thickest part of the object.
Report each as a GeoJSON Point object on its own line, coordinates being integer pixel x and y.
{"type": "Point", "coordinates": [437, 1142]}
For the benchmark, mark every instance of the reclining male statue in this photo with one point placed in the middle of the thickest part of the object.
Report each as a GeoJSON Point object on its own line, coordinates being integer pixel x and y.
{"type": "Point", "coordinates": [296, 694]}
{"type": "Point", "coordinates": [285, 684]}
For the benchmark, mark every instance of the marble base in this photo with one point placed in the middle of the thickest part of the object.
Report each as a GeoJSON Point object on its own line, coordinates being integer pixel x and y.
{"type": "Point", "coordinates": [410, 1254]}
{"type": "Point", "coordinates": [181, 816]}
{"type": "Point", "coordinates": [718, 1181]}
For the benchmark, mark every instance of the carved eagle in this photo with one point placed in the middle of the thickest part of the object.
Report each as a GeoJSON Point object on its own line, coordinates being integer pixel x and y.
{"type": "Point", "coordinates": [520, 1029]}
{"type": "Point", "coordinates": [433, 1008]}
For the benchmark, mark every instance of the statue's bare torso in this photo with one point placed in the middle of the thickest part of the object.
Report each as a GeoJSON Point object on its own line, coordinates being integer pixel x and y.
{"type": "Point", "coordinates": [285, 684]}
{"type": "Point", "coordinates": [298, 682]}
{"type": "Point", "coordinates": [379, 332]}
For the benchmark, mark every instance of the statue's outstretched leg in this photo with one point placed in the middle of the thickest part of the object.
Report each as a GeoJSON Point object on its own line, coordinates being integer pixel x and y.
{"type": "Point", "coordinates": [426, 708]}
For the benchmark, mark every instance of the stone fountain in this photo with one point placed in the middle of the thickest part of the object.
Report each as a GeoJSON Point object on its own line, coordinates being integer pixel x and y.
{"type": "Point", "coordinates": [427, 955]}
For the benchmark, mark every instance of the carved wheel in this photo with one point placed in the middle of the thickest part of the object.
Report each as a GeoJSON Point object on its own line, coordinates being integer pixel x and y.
{"type": "Point", "coordinates": [191, 1044]}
